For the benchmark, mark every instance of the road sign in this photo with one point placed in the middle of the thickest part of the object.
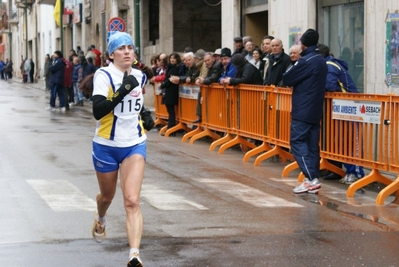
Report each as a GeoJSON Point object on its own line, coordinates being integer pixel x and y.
{"type": "Point", "coordinates": [116, 24]}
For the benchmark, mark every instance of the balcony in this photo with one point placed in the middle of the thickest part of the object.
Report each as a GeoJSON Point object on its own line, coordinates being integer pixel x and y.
{"type": "Point", "coordinates": [21, 3]}
{"type": "Point", "coordinates": [46, 2]}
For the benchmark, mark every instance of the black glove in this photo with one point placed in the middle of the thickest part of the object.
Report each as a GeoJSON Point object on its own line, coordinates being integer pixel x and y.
{"type": "Point", "coordinates": [148, 121]}
{"type": "Point", "coordinates": [129, 82]}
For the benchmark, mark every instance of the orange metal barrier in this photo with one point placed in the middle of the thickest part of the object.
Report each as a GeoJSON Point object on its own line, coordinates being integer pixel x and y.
{"type": "Point", "coordinates": [185, 110]}
{"type": "Point", "coordinates": [216, 109]}
{"type": "Point", "coordinates": [393, 144]}
{"type": "Point", "coordinates": [248, 123]}
{"type": "Point", "coordinates": [263, 113]}
{"type": "Point", "coordinates": [279, 102]}
{"type": "Point", "coordinates": [355, 139]}
{"type": "Point", "coordinates": [161, 113]}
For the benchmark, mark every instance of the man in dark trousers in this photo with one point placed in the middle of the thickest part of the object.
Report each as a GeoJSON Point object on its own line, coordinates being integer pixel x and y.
{"type": "Point", "coordinates": [57, 76]}
{"type": "Point", "coordinates": [32, 71]}
{"type": "Point", "coordinates": [308, 77]}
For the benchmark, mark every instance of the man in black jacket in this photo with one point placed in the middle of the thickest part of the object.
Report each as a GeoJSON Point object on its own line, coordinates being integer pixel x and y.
{"type": "Point", "coordinates": [278, 64]}
{"type": "Point", "coordinates": [57, 77]}
{"type": "Point", "coordinates": [214, 71]}
{"type": "Point", "coordinates": [246, 72]}
{"type": "Point", "coordinates": [238, 45]}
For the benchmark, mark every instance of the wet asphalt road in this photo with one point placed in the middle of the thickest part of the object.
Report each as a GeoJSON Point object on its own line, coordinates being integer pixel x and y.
{"type": "Point", "coordinates": [200, 208]}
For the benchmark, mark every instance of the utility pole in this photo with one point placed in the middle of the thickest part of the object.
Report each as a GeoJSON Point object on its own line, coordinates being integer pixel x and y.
{"type": "Point", "coordinates": [137, 27]}
{"type": "Point", "coordinates": [26, 28]}
{"type": "Point", "coordinates": [61, 26]}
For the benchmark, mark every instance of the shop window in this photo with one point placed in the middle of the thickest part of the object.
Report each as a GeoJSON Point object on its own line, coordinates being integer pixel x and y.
{"type": "Point", "coordinates": [345, 37]}
{"type": "Point", "coordinates": [154, 21]}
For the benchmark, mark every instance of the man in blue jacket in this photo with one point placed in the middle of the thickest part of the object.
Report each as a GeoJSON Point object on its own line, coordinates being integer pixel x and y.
{"type": "Point", "coordinates": [308, 79]}
{"type": "Point", "coordinates": [339, 80]}
{"type": "Point", "coordinates": [57, 82]}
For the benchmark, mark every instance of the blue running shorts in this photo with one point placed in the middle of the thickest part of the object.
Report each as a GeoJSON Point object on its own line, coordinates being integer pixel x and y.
{"type": "Point", "coordinates": [107, 158]}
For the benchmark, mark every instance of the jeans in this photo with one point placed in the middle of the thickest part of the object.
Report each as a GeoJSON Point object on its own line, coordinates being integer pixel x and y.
{"type": "Point", "coordinates": [57, 90]}
{"type": "Point", "coordinates": [78, 93]}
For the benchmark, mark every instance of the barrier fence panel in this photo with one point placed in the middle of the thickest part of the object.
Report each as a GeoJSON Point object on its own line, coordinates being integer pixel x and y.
{"type": "Point", "coordinates": [250, 103]}
{"type": "Point", "coordinates": [358, 134]}
{"type": "Point", "coordinates": [394, 151]}
{"type": "Point", "coordinates": [185, 110]}
{"type": "Point", "coordinates": [246, 113]}
{"type": "Point", "coordinates": [161, 113]}
{"type": "Point", "coordinates": [216, 111]}
{"type": "Point", "coordinates": [279, 127]}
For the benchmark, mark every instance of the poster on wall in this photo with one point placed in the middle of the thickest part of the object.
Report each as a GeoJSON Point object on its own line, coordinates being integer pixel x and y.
{"type": "Point", "coordinates": [295, 36]}
{"type": "Point", "coordinates": [392, 50]}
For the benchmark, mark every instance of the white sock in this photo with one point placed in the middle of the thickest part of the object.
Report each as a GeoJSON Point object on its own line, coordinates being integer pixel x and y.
{"type": "Point", "coordinates": [102, 220]}
{"type": "Point", "coordinates": [134, 251]}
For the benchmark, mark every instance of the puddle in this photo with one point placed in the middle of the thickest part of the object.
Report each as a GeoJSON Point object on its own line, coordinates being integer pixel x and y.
{"type": "Point", "coordinates": [387, 223]}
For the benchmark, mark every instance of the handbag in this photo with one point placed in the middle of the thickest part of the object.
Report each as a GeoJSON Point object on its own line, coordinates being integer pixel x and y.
{"type": "Point", "coordinates": [148, 121]}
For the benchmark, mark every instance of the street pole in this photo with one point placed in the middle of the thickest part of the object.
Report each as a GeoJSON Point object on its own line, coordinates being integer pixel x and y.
{"type": "Point", "coordinates": [10, 40]}
{"type": "Point", "coordinates": [26, 28]}
{"type": "Point", "coordinates": [61, 27]}
{"type": "Point", "coordinates": [137, 27]}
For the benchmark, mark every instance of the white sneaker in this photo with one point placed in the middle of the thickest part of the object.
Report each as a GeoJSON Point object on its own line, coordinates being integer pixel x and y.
{"type": "Point", "coordinates": [308, 186]}
{"type": "Point", "coordinates": [98, 230]}
{"type": "Point", "coordinates": [344, 179]}
{"type": "Point", "coordinates": [62, 109]}
{"type": "Point", "coordinates": [351, 178]}
{"type": "Point", "coordinates": [50, 108]}
{"type": "Point", "coordinates": [70, 104]}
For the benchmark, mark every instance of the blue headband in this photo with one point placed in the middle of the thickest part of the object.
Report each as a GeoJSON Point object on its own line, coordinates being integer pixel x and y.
{"type": "Point", "coordinates": [118, 39]}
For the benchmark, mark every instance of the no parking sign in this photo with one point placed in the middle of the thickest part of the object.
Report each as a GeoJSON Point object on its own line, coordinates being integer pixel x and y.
{"type": "Point", "coordinates": [116, 24]}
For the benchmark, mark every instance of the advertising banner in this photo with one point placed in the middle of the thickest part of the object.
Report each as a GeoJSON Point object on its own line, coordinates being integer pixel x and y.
{"type": "Point", "coordinates": [361, 111]}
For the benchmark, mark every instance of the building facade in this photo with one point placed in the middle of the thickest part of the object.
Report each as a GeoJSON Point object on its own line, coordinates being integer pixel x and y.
{"type": "Point", "coordinates": [362, 32]}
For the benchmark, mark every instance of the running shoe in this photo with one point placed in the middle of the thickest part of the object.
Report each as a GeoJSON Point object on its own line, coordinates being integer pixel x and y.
{"type": "Point", "coordinates": [98, 230]}
{"type": "Point", "coordinates": [50, 108]}
{"type": "Point", "coordinates": [351, 178]}
{"type": "Point", "coordinates": [344, 179]}
{"type": "Point", "coordinates": [307, 186]}
{"type": "Point", "coordinates": [134, 261]}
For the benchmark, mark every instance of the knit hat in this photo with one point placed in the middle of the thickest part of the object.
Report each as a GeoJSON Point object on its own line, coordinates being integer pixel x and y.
{"type": "Point", "coordinates": [118, 39]}
{"type": "Point", "coordinates": [200, 53]}
{"type": "Point", "coordinates": [238, 60]}
{"type": "Point", "coordinates": [310, 37]}
{"type": "Point", "coordinates": [226, 52]}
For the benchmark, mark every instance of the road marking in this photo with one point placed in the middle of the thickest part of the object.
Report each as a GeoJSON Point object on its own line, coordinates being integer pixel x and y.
{"type": "Point", "coordinates": [248, 194]}
{"type": "Point", "coordinates": [167, 200]}
{"type": "Point", "coordinates": [61, 195]}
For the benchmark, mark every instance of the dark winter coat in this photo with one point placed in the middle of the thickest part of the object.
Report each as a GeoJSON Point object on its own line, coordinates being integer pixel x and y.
{"type": "Point", "coordinates": [89, 69]}
{"type": "Point", "coordinates": [214, 73]}
{"type": "Point", "coordinates": [192, 73]}
{"type": "Point", "coordinates": [338, 78]}
{"type": "Point", "coordinates": [247, 74]}
{"type": "Point", "coordinates": [276, 68]}
{"type": "Point", "coordinates": [308, 77]}
{"type": "Point", "coordinates": [171, 90]}
{"type": "Point", "coordinates": [57, 70]}
{"type": "Point", "coordinates": [75, 73]}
